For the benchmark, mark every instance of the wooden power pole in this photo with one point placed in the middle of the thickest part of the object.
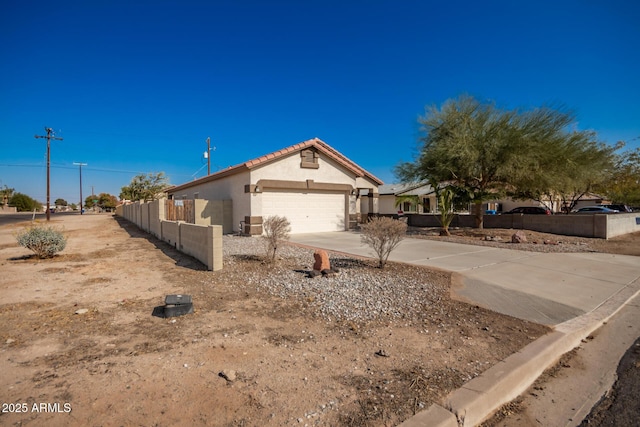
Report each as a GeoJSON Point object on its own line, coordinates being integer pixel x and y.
{"type": "Point", "coordinates": [81, 165]}
{"type": "Point", "coordinates": [49, 136]}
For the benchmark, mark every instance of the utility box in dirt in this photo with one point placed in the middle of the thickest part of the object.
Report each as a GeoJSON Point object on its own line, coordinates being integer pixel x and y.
{"type": "Point", "coordinates": [177, 305]}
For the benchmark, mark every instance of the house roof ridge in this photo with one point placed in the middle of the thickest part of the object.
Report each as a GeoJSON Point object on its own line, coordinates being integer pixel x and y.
{"type": "Point", "coordinates": [274, 155]}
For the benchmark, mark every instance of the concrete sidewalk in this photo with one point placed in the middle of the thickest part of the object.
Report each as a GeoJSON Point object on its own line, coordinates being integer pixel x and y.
{"type": "Point", "coordinates": [576, 293]}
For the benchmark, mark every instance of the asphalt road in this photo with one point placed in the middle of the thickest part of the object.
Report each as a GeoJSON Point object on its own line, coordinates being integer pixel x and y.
{"type": "Point", "coordinates": [18, 217]}
{"type": "Point", "coordinates": [621, 406]}
{"type": "Point", "coordinates": [13, 218]}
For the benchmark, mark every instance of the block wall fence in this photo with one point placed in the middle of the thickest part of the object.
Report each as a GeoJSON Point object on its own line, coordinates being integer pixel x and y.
{"type": "Point", "coordinates": [602, 226]}
{"type": "Point", "coordinates": [203, 242]}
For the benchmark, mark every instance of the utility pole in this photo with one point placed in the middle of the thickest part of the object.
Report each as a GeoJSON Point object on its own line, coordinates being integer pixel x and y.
{"type": "Point", "coordinates": [208, 156]}
{"type": "Point", "coordinates": [49, 136]}
{"type": "Point", "coordinates": [81, 165]}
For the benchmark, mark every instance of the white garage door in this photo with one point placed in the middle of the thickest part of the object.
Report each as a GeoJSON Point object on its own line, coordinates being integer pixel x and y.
{"type": "Point", "coordinates": [307, 212]}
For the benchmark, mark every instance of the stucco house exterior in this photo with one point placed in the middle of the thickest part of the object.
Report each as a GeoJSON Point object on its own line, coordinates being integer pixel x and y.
{"type": "Point", "coordinates": [316, 187]}
{"type": "Point", "coordinates": [392, 200]}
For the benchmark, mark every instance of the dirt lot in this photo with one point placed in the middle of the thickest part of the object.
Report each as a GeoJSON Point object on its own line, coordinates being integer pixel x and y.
{"type": "Point", "coordinates": [244, 358]}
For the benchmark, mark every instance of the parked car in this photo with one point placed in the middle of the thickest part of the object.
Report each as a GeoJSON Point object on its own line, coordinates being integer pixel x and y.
{"type": "Point", "coordinates": [595, 210]}
{"type": "Point", "coordinates": [619, 208]}
{"type": "Point", "coordinates": [529, 210]}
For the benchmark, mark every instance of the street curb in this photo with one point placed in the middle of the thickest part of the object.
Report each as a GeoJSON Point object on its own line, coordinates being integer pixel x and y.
{"type": "Point", "coordinates": [478, 399]}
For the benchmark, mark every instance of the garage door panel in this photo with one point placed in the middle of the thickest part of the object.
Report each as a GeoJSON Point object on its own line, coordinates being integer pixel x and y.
{"type": "Point", "coordinates": [307, 212]}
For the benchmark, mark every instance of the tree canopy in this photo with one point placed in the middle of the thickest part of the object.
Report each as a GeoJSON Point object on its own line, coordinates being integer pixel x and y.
{"type": "Point", "coordinates": [103, 201]}
{"type": "Point", "coordinates": [24, 203]}
{"type": "Point", "coordinates": [60, 202]}
{"type": "Point", "coordinates": [145, 187]}
{"type": "Point", "coordinates": [486, 152]}
{"type": "Point", "coordinates": [5, 194]}
{"type": "Point", "coordinates": [623, 184]}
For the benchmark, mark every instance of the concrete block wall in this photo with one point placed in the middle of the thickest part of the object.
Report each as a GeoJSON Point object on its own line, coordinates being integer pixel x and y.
{"type": "Point", "coordinates": [214, 212]}
{"type": "Point", "coordinates": [600, 225]}
{"type": "Point", "coordinates": [170, 233]}
{"type": "Point", "coordinates": [144, 216]}
{"type": "Point", "coordinates": [620, 224]}
{"type": "Point", "coordinates": [203, 242]}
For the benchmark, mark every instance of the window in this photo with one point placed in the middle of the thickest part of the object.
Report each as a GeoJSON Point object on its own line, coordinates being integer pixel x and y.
{"type": "Point", "coordinates": [196, 195]}
{"type": "Point", "coordinates": [408, 207]}
{"type": "Point", "coordinates": [426, 205]}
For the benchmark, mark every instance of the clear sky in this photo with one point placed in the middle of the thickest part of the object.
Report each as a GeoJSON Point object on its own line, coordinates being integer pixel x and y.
{"type": "Point", "coordinates": [137, 86]}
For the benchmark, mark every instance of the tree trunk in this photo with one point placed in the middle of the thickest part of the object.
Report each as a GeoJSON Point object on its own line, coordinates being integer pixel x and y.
{"type": "Point", "coordinates": [478, 215]}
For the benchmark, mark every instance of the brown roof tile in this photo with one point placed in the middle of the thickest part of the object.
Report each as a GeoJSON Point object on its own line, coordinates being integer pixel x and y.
{"type": "Point", "coordinates": [250, 164]}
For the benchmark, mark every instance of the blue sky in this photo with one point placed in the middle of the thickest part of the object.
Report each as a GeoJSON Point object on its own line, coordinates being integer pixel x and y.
{"type": "Point", "coordinates": [138, 86]}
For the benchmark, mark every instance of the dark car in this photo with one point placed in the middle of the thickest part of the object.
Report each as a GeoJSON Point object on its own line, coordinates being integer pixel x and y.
{"type": "Point", "coordinates": [595, 210]}
{"type": "Point", "coordinates": [529, 210]}
{"type": "Point", "coordinates": [619, 208]}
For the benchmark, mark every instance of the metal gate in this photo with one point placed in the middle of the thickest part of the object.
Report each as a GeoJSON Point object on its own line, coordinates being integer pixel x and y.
{"type": "Point", "coordinates": [180, 210]}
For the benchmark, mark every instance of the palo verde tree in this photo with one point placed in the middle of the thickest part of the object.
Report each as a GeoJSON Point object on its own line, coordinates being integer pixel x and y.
{"type": "Point", "coordinates": [567, 165]}
{"type": "Point", "coordinates": [623, 184]}
{"type": "Point", "coordinates": [485, 152]}
{"type": "Point", "coordinates": [145, 187]}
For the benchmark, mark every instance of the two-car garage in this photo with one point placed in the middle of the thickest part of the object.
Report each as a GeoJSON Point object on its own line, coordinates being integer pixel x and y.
{"type": "Point", "coordinates": [309, 211]}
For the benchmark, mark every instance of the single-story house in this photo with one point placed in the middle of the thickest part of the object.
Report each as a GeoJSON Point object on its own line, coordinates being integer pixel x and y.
{"type": "Point", "coordinates": [401, 198]}
{"type": "Point", "coordinates": [313, 185]}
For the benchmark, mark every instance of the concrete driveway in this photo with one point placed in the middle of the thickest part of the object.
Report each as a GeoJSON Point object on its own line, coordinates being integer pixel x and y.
{"type": "Point", "coordinates": [547, 288]}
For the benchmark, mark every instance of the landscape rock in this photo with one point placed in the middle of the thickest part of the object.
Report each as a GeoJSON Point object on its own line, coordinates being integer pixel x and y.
{"type": "Point", "coordinates": [82, 311]}
{"type": "Point", "coordinates": [321, 260]}
{"type": "Point", "coordinates": [228, 374]}
{"type": "Point", "coordinates": [519, 237]}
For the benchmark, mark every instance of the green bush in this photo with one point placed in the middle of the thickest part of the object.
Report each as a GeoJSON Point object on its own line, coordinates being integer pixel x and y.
{"type": "Point", "coordinates": [45, 242]}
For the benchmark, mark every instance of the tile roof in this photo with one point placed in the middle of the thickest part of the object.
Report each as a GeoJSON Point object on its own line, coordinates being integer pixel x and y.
{"type": "Point", "coordinates": [320, 145]}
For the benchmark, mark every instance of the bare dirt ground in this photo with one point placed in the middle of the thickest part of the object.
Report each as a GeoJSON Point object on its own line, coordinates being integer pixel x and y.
{"type": "Point", "coordinates": [284, 363]}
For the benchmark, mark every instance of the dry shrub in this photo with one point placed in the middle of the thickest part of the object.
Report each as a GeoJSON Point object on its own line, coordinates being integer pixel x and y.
{"type": "Point", "coordinates": [383, 234]}
{"type": "Point", "coordinates": [276, 229]}
{"type": "Point", "coordinates": [45, 242]}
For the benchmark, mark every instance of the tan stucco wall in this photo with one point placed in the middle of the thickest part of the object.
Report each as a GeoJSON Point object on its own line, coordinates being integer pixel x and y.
{"type": "Point", "coordinates": [228, 188]}
{"type": "Point", "coordinates": [288, 168]}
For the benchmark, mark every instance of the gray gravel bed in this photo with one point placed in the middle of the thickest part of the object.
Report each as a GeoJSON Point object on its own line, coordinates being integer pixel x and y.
{"type": "Point", "coordinates": [358, 292]}
{"type": "Point", "coordinates": [562, 244]}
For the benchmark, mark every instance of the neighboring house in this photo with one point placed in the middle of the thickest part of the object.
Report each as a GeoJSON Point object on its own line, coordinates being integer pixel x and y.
{"type": "Point", "coordinates": [393, 200]}
{"type": "Point", "coordinates": [312, 184]}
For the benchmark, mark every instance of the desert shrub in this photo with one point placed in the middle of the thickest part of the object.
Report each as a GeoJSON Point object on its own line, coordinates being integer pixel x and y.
{"type": "Point", "coordinates": [45, 242]}
{"type": "Point", "coordinates": [276, 229]}
{"type": "Point", "coordinates": [383, 234]}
